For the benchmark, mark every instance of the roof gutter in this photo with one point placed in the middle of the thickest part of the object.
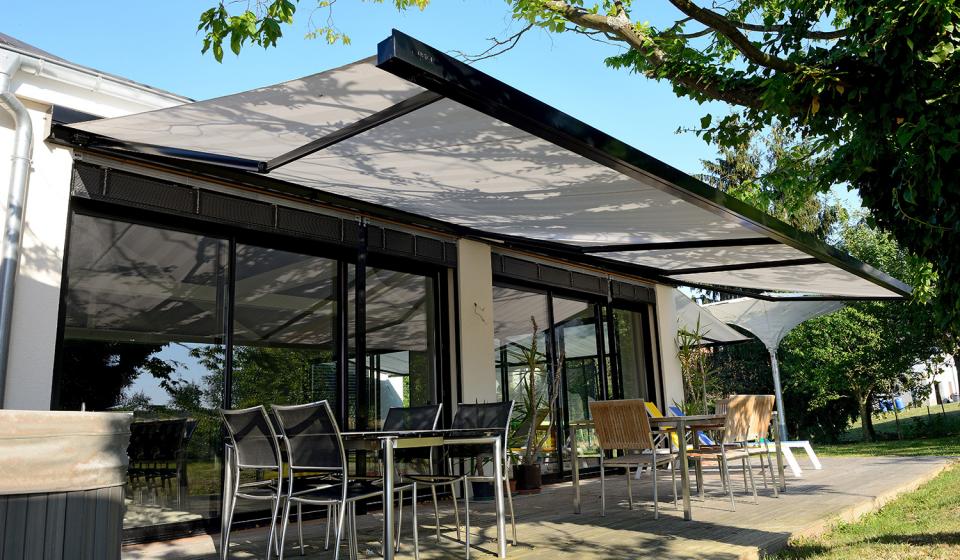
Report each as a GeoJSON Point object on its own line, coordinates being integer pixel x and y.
{"type": "Point", "coordinates": [10, 64]}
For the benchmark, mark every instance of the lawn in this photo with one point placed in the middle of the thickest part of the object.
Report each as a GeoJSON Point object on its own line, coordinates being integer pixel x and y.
{"type": "Point", "coordinates": [921, 524]}
{"type": "Point", "coordinates": [923, 432]}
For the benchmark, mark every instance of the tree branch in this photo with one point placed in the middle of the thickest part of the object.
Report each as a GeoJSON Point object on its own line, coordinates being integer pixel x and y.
{"type": "Point", "coordinates": [729, 30]}
{"type": "Point", "coordinates": [807, 34]}
{"type": "Point", "coordinates": [621, 28]}
{"type": "Point", "coordinates": [497, 48]}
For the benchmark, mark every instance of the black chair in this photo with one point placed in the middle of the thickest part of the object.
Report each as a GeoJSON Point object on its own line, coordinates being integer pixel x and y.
{"type": "Point", "coordinates": [483, 416]}
{"type": "Point", "coordinates": [422, 418]}
{"type": "Point", "coordinates": [313, 444]}
{"type": "Point", "coordinates": [255, 447]}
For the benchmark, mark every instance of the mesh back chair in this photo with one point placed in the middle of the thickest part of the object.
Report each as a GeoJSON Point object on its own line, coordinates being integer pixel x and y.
{"type": "Point", "coordinates": [622, 425]}
{"type": "Point", "coordinates": [254, 444]}
{"type": "Point", "coordinates": [313, 444]}
{"type": "Point", "coordinates": [737, 427]}
{"type": "Point", "coordinates": [483, 416]}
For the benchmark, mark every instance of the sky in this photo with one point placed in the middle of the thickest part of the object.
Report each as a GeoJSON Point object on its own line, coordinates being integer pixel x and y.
{"type": "Point", "coordinates": [156, 43]}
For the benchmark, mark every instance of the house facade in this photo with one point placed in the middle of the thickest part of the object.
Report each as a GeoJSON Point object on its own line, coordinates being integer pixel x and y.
{"type": "Point", "coordinates": [395, 232]}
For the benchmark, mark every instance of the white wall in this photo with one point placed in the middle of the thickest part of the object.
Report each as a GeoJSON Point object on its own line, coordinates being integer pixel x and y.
{"type": "Point", "coordinates": [475, 298]}
{"type": "Point", "coordinates": [667, 326]}
{"type": "Point", "coordinates": [37, 297]}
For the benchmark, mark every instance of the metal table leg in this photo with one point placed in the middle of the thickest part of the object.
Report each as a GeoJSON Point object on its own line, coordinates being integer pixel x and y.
{"type": "Point", "coordinates": [388, 444]}
{"type": "Point", "coordinates": [684, 468]}
{"type": "Point", "coordinates": [575, 458]}
{"type": "Point", "coordinates": [498, 497]}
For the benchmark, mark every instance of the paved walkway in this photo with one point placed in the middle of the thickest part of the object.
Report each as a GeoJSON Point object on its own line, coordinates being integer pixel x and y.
{"type": "Point", "coordinates": [548, 528]}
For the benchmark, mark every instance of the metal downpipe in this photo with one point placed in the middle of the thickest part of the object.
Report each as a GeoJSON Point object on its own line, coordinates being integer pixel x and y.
{"type": "Point", "coordinates": [16, 205]}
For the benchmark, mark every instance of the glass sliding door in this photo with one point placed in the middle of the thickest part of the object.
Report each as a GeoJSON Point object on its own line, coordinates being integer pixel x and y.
{"type": "Point", "coordinates": [579, 348]}
{"type": "Point", "coordinates": [400, 343]}
{"type": "Point", "coordinates": [633, 355]}
{"type": "Point", "coordinates": [522, 362]}
{"type": "Point", "coordinates": [144, 330]}
{"type": "Point", "coordinates": [284, 328]}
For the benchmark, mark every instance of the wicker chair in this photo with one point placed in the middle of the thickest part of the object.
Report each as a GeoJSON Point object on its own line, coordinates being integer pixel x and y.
{"type": "Point", "coordinates": [738, 425]}
{"type": "Point", "coordinates": [623, 425]}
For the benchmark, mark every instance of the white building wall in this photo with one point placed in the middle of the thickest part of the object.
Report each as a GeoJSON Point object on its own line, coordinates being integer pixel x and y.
{"type": "Point", "coordinates": [37, 297]}
{"type": "Point", "coordinates": [670, 363]}
{"type": "Point", "coordinates": [475, 299]}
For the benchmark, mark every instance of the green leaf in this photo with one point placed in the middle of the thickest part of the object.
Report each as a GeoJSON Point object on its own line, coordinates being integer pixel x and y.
{"type": "Point", "coordinates": [706, 120]}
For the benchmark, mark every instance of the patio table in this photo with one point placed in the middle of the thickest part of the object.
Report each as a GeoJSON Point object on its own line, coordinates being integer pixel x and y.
{"type": "Point", "coordinates": [681, 424]}
{"type": "Point", "coordinates": [388, 441]}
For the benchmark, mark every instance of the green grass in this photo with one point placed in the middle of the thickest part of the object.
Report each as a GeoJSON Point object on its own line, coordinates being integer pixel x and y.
{"type": "Point", "coordinates": [921, 524]}
{"type": "Point", "coordinates": [886, 424]}
{"type": "Point", "coordinates": [942, 446]}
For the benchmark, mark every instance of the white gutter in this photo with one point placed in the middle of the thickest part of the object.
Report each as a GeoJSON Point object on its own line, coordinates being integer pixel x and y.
{"type": "Point", "coordinates": [89, 79]}
{"type": "Point", "coordinates": [10, 63]}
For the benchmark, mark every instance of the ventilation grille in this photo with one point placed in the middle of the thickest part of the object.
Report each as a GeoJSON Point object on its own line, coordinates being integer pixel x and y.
{"type": "Point", "coordinates": [513, 268]}
{"type": "Point", "coordinates": [91, 181]}
{"type": "Point", "coordinates": [632, 292]}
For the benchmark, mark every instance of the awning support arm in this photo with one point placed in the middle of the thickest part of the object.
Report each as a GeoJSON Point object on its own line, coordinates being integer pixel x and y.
{"type": "Point", "coordinates": [384, 116]}
{"type": "Point", "coordinates": [742, 266]}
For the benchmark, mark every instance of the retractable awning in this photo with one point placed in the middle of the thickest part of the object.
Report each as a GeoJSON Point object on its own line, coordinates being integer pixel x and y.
{"type": "Point", "coordinates": [416, 131]}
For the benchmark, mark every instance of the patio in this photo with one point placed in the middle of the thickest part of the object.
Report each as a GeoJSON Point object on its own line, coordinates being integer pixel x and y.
{"type": "Point", "coordinates": [547, 526]}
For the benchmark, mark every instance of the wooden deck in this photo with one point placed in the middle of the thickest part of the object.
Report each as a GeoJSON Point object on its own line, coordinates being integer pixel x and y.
{"type": "Point", "coordinates": [548, 528]}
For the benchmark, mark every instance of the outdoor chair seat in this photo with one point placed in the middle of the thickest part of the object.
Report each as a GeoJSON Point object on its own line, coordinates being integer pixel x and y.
{"type": "Point", "coordinates": [662, 457]}
{"type": "Point", "coordinates": [356, 490]}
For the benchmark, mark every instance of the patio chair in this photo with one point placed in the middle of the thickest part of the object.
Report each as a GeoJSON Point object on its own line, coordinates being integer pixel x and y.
{"type": "Point", "coordinates": [758, 441]}
{"type": "Point", "coordinates": [313, 444]}
{"type": "Point", "coordinates": [483, 416]}
{"type": "Point", "coordinates": [623, 426]}
{"type": "Point", "coordinates": [255, 447]}
{"type": "Point", "coordinates": [421, 418]}
{"type": "Point", "coordinates": [737, 426]}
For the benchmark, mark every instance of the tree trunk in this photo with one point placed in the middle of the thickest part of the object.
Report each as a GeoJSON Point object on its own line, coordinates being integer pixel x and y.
{"type": "Point", "coordinates": [866, 419]}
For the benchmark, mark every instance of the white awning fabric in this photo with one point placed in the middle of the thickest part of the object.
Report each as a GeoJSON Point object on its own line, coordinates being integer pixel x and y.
{"type": "Point", "coordinates": [770, 321]}
{"type": "Point", "coordinates": [449, 162]}
{"type": "Point", "coordinates": [713, 330]}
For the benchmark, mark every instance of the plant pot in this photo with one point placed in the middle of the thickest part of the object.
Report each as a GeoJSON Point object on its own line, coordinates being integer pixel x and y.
{"type": "Point", "coordinates": [482, 491]}
{"type": "Point", "coordinates": [528, 479]}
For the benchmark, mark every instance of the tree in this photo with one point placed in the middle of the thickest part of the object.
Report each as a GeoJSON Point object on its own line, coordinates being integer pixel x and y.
{"type": "Point", "coordinates": [871, 82]}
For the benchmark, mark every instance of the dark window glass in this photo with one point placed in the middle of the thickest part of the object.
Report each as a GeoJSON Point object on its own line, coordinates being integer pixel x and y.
{"type": "Point", "coordinates": [521, 360]}
{"type": "Point", "coordinates": [284, 328]}
{"type": "Point", "coordinates": [144, 332]}
{"type": "Point", "coordinates": [631, 331]}
{"type": "Point", "coordinates": [400, 342]}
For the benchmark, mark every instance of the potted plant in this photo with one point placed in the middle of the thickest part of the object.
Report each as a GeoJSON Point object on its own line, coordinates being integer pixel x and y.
{"type": "Point", "coordinates": [536, 404]}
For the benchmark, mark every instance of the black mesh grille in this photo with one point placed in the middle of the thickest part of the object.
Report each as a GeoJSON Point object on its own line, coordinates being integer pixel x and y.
{"type": "Point", "coordinates": [87, 180]}
{"type": "Point", "coordinates": [430, 248]}
{"type": "Point", "coordinates": [374, 237]}
{"type": "Point", "coordinates": [450, 253]}
{"type": "Point", "coordinates": [236, 210]}
{"type": "Point", "coordinates": [398, 242]}
{"type": "Point", "coordinates": [589, 283]}
{"type": "Point", "coordinates": [143, 191]}
{"type": "Point", "coordinates": [633, 292]}
{"type": "Point", "coordinates": [317, 225]}
{"type": "Point", "coordinates": [555, 276]}
{"type": "Point", "coordinates": [519, 268]}
{"type": "Point", "coordinates": [311, 432]}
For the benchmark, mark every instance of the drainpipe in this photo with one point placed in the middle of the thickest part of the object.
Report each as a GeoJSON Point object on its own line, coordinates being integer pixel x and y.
{"type": "Point", "coordinates": [10, 63]}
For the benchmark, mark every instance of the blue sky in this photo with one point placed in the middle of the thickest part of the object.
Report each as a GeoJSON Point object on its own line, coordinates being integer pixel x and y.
{"type": "Point", "coordinates": [156, 43]}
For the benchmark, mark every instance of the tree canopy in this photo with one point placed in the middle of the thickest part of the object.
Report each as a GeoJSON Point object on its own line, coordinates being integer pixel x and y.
{"type": "Point", "coordinates": [873, 84]}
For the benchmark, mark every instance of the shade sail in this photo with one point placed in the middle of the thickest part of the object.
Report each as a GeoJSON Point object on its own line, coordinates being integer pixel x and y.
{"type": "Point", "coordinates": [690, 316]}
{"type": "Point", "coordinates": [419, 132]}
{"type": "Point", "coordinates": [769, 321]}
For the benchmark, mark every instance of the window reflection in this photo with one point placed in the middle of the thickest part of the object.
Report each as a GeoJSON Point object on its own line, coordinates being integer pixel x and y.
{"type": "Point", "coordinates": [144, 332]}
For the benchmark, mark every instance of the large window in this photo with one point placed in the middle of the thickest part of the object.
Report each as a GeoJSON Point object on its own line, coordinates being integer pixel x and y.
{"type": "Point", "coordinates": [144, 331]}
{"type": "Point", "coordinates": [599, 351]}
{"type": "Point", "coordinates": [172, 325]}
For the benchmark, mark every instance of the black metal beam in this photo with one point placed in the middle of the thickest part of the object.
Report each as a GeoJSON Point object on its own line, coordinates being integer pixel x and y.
{"type": "Point", "coordinates": [424, 65]}
{"type": "Point", "coordinates": [678, 245]}
{"type": "Point", "coordinates": [400, 109]}
{"type": "Point", "coordinates": [742, 266]}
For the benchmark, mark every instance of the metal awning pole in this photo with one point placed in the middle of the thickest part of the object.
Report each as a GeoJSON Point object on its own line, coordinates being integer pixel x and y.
{"type": "Point", "coordinates": [781, 416]}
